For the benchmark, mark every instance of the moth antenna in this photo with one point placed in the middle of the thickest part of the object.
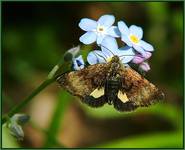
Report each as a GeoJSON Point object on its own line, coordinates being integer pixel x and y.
{"type": "Point", "coordinates": [100, 56]}
{"type": "Point", "coordinates": [108, 50]}
{"type": "Point", "coordinates": [125, 55]}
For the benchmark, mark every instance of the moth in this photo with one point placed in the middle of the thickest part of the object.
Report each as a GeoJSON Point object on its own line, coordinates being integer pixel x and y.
{"type": "Point", "coordinates": [112, 83]}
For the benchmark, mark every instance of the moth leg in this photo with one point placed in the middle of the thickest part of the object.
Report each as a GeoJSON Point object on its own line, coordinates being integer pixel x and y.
{"type": "Point", "coordinates": [127, 106]}
{"type": "Point", "coordinates": [94, 102]}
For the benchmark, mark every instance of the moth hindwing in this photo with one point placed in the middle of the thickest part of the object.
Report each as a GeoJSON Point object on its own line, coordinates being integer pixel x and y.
{"type": "Point", "coordinates": [111, 83]}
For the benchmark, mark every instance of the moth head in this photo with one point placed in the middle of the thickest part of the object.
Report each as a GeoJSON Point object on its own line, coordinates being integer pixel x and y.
{"type": "Point", "coordinates": [115, 59]}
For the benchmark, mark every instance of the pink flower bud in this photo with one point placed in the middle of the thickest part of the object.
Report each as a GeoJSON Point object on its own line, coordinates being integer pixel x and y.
{"type": "Point", "coordinates": [147, 55]}
{"type": "Point", "coordinates": [138, 59]}
{"type": "Point", "coordinates": [144, 66]}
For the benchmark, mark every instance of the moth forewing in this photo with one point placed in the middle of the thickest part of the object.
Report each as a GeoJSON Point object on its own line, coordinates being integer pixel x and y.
{"type": "Point", "coordinates": [142, 93]}
{"type": "Point", "coordinates": [89, 84]}
{"type": "Point", "coordinates": [123, 97]}
{"type": "Point", "coordinates": [83, 82]}
{"type": "Point", "coordinates": [98, 92]}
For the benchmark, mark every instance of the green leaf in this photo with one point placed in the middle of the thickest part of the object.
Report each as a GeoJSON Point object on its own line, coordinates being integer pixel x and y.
{"type": "Point", "coordinates": [7, 140]}
{"type": "Point", "coordinates": [158, 140]}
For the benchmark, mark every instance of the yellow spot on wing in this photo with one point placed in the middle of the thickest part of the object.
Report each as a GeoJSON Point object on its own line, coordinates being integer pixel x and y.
{"type": "Point", "coordinates": [122, 97]}
{"type": "Point", "coordinates": [97, 93]}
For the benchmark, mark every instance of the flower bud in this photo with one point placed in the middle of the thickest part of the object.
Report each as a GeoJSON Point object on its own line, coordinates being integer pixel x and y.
{"type": "Point", "coordinates": [71, 53]}
{"type": "Point", "coordinates": [14, 125]}
{"type": "Point", "coordinates": [78, 63]}
{"type": "Point", "coordinates": [16, 131]}
{"type": "Point", "coordinates": [144, 66]}
{"type": "Point", "coordinates": [20, 118]}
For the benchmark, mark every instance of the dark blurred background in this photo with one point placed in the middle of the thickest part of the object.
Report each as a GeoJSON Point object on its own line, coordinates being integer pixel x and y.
{"type": "Point", "coordinates": [34, 37]}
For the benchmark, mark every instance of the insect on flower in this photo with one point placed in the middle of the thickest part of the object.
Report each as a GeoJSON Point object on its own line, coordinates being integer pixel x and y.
{"type": "Point", "coordinates": [113, 83]}
{"type": "Point", "coordinates": [108, 78]}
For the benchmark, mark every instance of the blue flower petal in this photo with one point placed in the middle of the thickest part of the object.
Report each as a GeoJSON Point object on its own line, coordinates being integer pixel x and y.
{"type": "Point", "coordinates": [106, 20]}
{"type": "Point", "coordinates": [101, 56]}
{"type": "Point", "coordinates": [88, 38]}
{"type": "Point", "coordinates": [125, 39]}
{"type": "Point", "coordinates": [78, 63]}
{"type": "Point", "coordinates": [92, 58]}
{"type": "Point", "coordinates": [100, 39]}
{"type": "Point", "coordinates": [126, 54]}
{"type": "Point", "coordinates": [114, 31]}
{"type": "Point", "coordinates": [109, 46]}
{"type": "Point", "coordinates": [123, 28]}
{"type": "Point", "coordinates": [106, 52]}
{"type": "Point", "coordinates": [146, 46]}
{"type": "Point", "coordinates": [95, 57]}
{"type": "Point", "coordinates": [137, 31]}
{"type": "Point", "coordinates": [87, 24]}
{"type": "Point", "coordinates": [139, 49]}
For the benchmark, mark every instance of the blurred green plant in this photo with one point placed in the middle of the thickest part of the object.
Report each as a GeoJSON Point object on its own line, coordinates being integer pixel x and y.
{"type": "Point", "coordinates": [53, 74]}
{"type": "Point", "coordinates": [29, 46]}
{"type": "Point", "coordinates": [7, 140]}
{"type": "Point", "coordinates": [55, 124]}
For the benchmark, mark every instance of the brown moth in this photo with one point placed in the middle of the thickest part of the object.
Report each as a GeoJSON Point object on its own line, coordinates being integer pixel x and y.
{"type": "Point", "coordinates": [111, 83]}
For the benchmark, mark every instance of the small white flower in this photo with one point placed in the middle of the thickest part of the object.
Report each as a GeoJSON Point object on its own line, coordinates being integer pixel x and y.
{"type": "Point", "coordinates": [98, 30]}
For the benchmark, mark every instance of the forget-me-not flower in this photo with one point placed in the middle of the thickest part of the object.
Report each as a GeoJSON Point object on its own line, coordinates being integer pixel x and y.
{"type": "Point", "coordinates": [132, 37]}
{"type": "Point", "coordinates": [109, 48]}
{"type": "Point", "coordinates": [78, 63]}
{"type": "Point", "coordinates": [98, 30]}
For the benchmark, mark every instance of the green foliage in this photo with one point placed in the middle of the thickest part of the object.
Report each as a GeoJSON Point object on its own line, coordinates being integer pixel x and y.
{"type": "Point", "coordinates": [55, 124]}
{"type": "Point", "coordinates": [31, 46]}
{"type": "Point", "coordinates": [155, 140]}
{"type": "Point", "coordinates": [7, 140]}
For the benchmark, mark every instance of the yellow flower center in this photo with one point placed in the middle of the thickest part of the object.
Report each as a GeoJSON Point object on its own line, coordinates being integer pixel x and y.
{"type": "Point", "coordinates": [134, 39]}
{"type": "Point", "coordinates": [100, 29]}
{"type": "Point", "coordinates": [109, 59]}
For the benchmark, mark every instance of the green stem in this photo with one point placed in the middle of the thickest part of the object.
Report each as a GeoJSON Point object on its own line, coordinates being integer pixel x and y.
{"type": "Point", "coordinates": [18, 107]}
{"type": "Point", "coordinates": [50, 79]}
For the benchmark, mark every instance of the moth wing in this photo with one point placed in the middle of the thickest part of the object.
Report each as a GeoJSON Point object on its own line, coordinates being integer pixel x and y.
{"type": "Point", "coordinates": [83, 82]}
{"type": "Point", "coordinates": [122, 97]}
{"type": "Point", "coordinates": [141, 92]}
{"type": "Point", "coordinates": [96, 98]}
{"type": "Point", "coordinates": [123, 103]}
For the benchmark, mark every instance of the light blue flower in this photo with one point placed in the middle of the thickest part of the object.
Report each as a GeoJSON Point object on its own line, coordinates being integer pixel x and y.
{"type": "Point", "coordinates": [132, 37]}
{"type": "Point", "coordinates": [78, 63]}
{"type": "Point", "coordinates": [109, 48]}
{"type": "Point", "coordinates": [98, 30]}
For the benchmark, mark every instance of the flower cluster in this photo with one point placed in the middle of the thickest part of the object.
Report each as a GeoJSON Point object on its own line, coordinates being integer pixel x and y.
{"type": "Point", "coordinates": [104, 33]}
